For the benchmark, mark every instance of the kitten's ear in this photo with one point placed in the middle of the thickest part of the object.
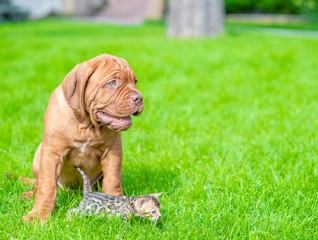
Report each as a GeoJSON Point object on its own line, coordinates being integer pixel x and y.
{"type": "Point", "coordinates": [142, 201]}
{"type": "Point", "coordinates": [156, 195]}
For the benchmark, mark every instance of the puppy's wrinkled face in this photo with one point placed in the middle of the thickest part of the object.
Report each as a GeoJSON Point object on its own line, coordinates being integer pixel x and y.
{"type": "Point", "coordinates": [112, 95]}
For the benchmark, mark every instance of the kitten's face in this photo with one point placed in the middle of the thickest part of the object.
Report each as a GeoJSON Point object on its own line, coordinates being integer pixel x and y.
{"type": "Point", "coordinates": [148, 206]}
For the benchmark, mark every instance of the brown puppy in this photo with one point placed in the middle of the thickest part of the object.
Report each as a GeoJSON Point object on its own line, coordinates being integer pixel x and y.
{"type": "Point", "coordinates": [82, 125]}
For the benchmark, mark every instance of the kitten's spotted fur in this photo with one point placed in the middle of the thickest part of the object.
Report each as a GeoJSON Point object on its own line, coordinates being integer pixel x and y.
{"type": "Point", "coordinates": [102, 203]}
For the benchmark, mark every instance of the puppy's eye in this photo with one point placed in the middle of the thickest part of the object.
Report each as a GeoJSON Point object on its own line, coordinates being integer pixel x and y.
{"type": "Point", "coordinates": [153, 211]}
{"type": "Point", "coordinates": [112, 83]}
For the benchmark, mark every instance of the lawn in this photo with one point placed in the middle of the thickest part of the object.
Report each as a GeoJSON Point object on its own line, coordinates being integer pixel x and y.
{"type": "Point", "coordinates": [309, 26]}
{"type": "Point", "coordinates": [228, 133]}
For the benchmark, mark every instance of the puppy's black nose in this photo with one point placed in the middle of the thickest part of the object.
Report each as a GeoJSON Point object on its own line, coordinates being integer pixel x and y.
{"type": "Point", "coordinates": [137, 98]}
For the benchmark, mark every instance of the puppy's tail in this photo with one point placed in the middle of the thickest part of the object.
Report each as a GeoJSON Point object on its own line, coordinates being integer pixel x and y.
{"type": "Point", "coordinates": [86, 181]}
{"type": "Point", "coordinates": [22, 179]}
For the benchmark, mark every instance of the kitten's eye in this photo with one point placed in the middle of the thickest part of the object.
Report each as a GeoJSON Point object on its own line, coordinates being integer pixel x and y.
{"type": "Point", "coordinates": [111, 83]}
{"type": "Point", "coordinates": [136, 81]}
{"type": "Point", "coordinates": [153, 211]}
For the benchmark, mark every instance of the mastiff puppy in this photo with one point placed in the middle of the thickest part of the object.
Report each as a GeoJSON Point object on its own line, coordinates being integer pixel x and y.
{"type": "Point", "coordinates": [82, 127]}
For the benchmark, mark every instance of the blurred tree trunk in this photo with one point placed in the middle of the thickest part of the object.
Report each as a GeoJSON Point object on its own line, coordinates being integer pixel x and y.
{"type": "Point", "coordinates": [195, 18]}
{"type": "Point", "coordinates": [83, 8]}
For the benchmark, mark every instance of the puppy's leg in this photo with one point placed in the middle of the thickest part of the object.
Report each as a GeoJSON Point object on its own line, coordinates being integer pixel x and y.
{"type": "Point", "coordinates": [112, 173]}
{"type": "Point", "coordinates": [50, 168]}
{"type": "Point", "coordinates": [35, 170]}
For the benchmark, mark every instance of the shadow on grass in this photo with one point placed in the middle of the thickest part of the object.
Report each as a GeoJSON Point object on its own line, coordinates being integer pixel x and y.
{"type": "Point", "coordinates": [136, 181]}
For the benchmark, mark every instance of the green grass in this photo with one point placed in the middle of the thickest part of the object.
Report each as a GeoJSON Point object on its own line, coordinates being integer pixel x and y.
{"type": "Point", "coordinates": [311, 26]}
{"type": "Point", "coordinates": [229, 130]}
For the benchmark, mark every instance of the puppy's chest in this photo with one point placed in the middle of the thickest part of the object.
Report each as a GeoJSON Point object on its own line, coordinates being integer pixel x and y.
{"type": "Point", "coordinates": [90, 146]}
{"type": "Point", "coordinates": [88, 149]}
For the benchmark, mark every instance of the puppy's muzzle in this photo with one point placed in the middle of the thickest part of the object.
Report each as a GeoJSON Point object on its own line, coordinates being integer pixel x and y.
{"type": "Point", "coordinates": [137, 98]}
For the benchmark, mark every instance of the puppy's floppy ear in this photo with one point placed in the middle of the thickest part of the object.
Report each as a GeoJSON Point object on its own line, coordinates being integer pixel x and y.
{"type": "Point", "coordinates": [74, 85]}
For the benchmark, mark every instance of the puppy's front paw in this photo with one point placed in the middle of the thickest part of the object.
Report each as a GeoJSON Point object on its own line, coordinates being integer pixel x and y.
{"type": "Point", "coordinates": [39, 216]}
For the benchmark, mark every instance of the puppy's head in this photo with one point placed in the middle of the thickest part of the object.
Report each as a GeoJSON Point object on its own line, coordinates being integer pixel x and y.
{"type": "Point", "coordinates": [104, 89]}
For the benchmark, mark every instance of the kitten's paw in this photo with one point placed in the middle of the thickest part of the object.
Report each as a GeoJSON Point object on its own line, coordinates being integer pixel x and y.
{"type": "Point", "coordinates": [71, 213]}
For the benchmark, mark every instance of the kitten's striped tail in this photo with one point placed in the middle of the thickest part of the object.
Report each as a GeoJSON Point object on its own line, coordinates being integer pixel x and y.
{"type": "Point", "coordinates": [86, 182]}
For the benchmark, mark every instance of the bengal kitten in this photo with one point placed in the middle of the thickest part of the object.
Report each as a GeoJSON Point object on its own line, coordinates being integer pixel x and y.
{"type": "Point", "coordinates": [103, 204]}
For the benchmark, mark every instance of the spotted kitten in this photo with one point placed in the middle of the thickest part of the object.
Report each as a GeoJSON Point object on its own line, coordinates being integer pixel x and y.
{"type": "Point", "coordinates": [102, 203]}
